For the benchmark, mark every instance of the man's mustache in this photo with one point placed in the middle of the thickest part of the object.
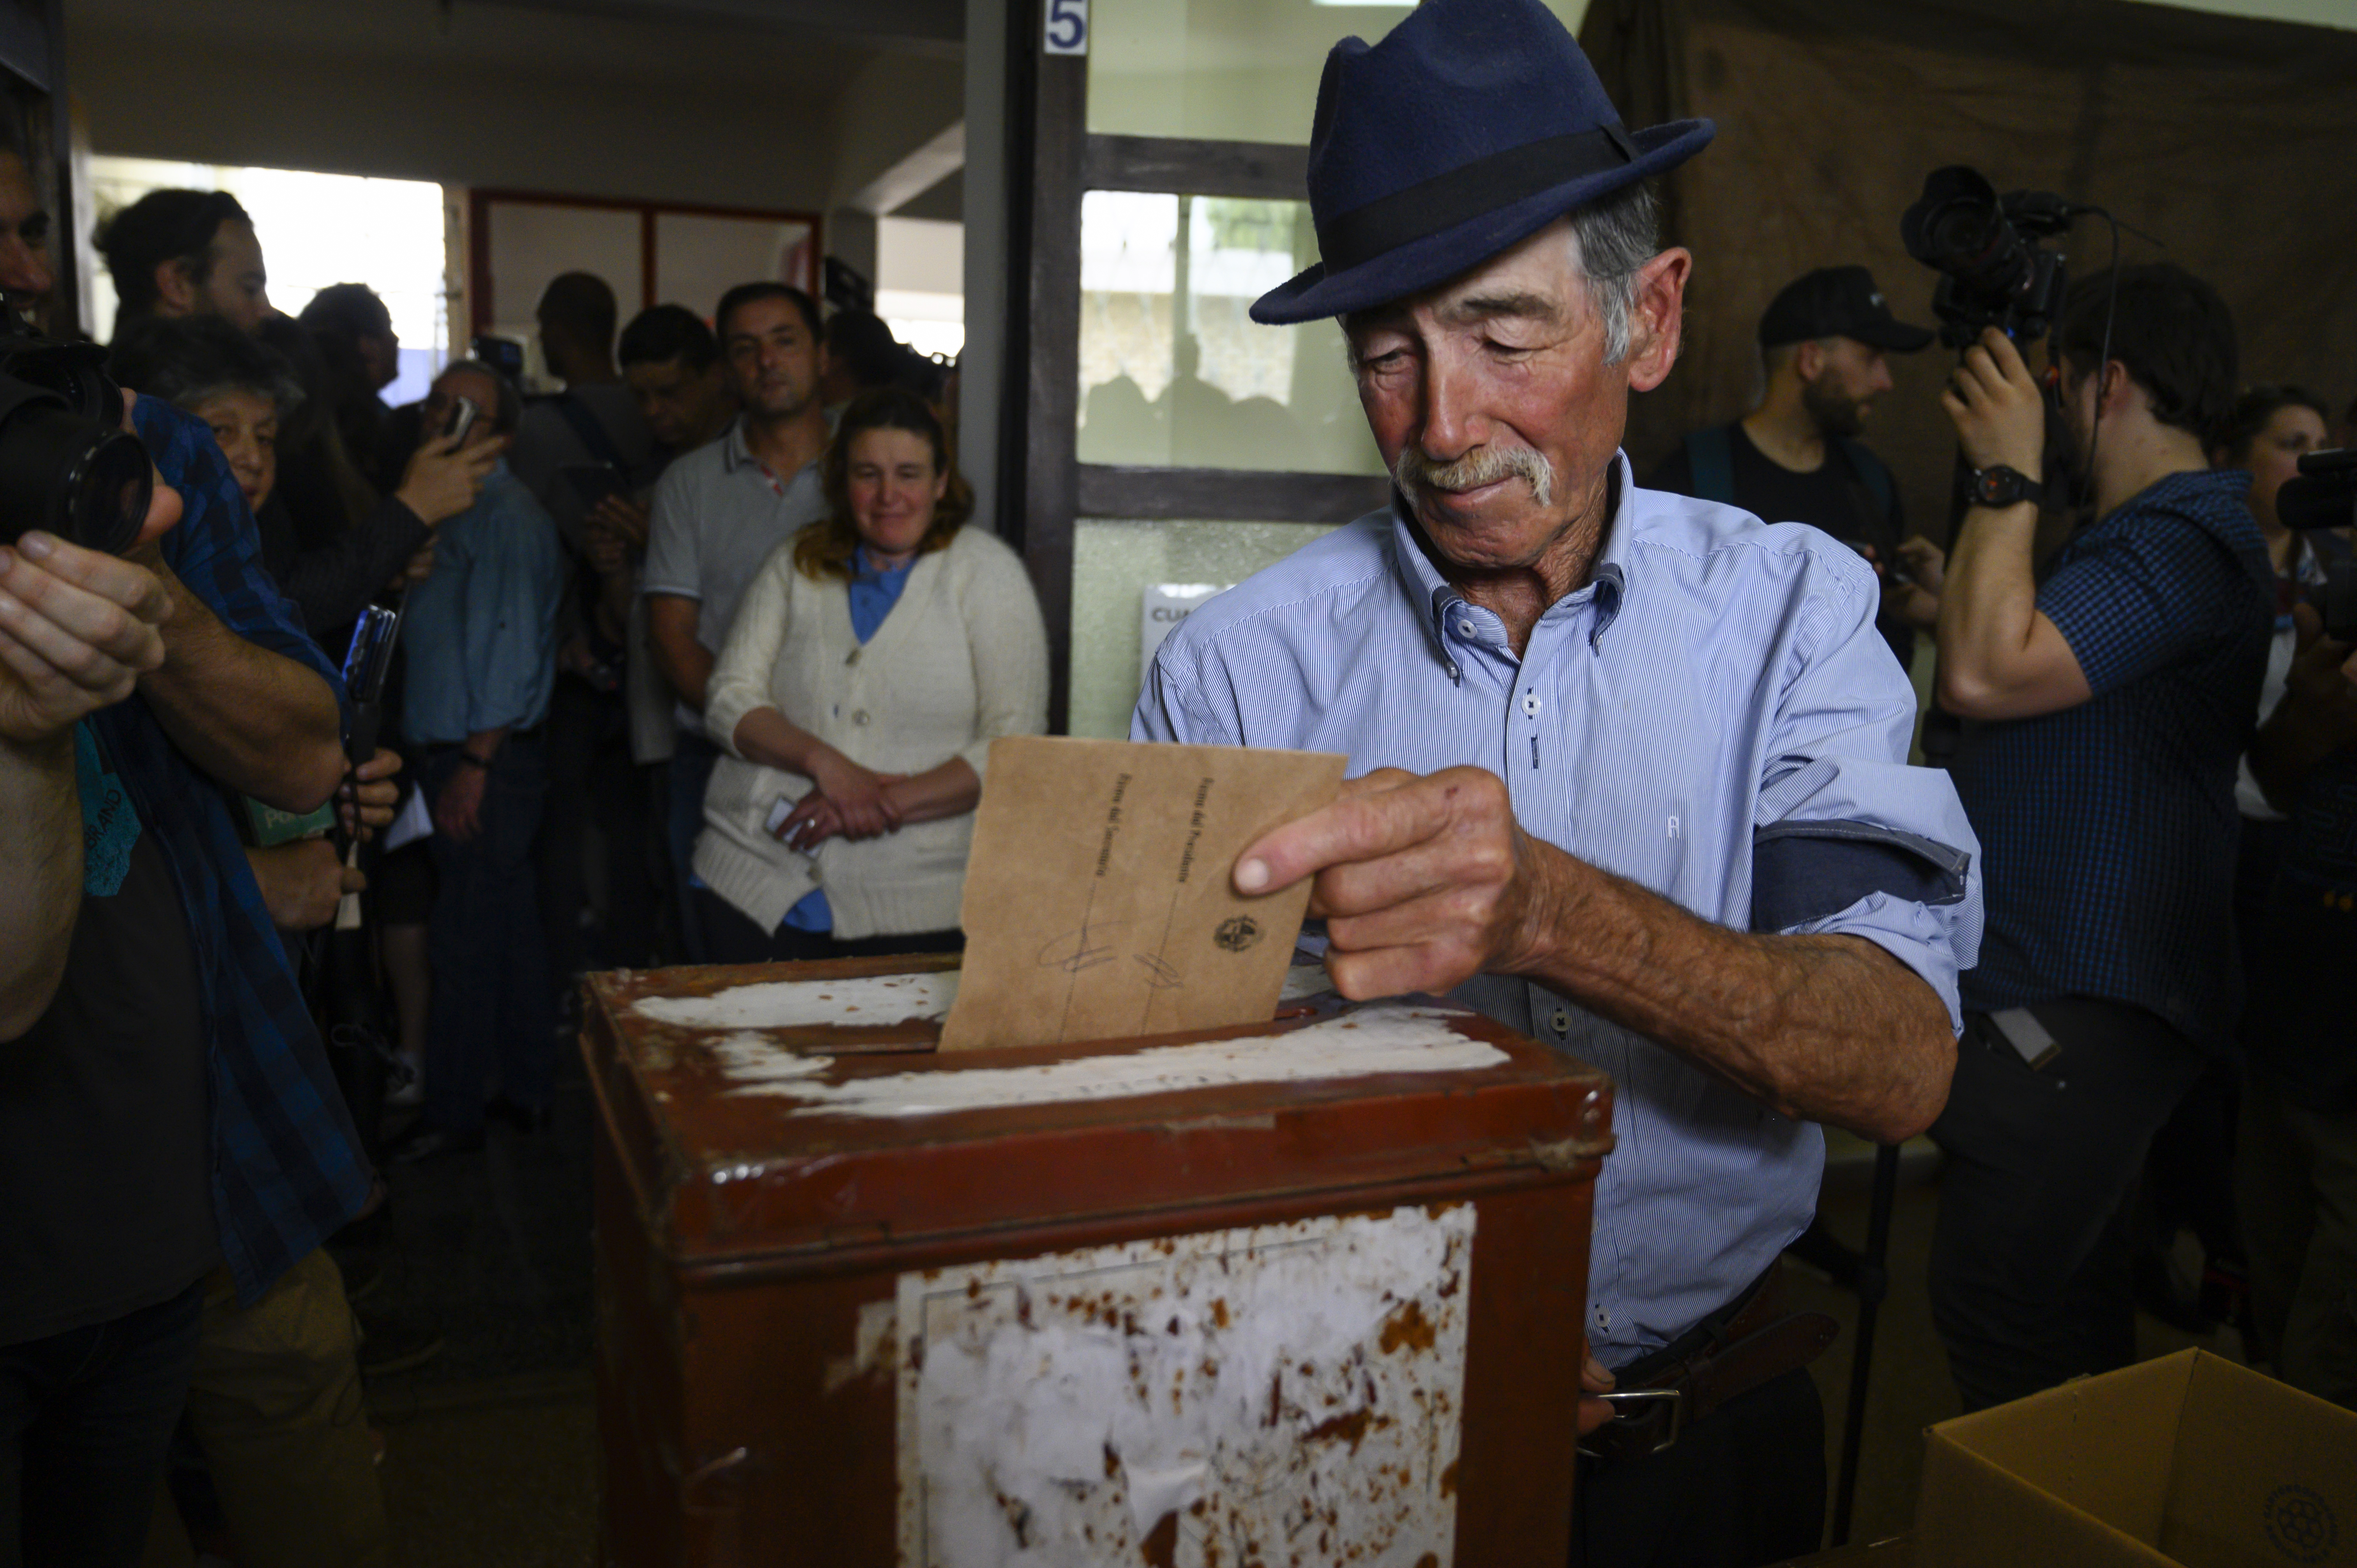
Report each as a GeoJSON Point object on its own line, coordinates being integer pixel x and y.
{"type": "Point", "coordinates": [1415, 473]}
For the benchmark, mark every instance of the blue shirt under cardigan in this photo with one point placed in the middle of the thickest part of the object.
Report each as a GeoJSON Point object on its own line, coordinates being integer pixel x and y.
{"type": "Point", "coordinates": [873, 593]}
{"type": "Point", "coordinates": [287, 1170]}
{"type": "Point", "coordinates": [1713, 716]}
{"type": "Point", "coordinates": [2111, 826]}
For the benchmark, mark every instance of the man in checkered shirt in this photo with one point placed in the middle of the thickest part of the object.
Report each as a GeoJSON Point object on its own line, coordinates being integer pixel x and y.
{"type": "Point", "coordinates": [2112, 700]}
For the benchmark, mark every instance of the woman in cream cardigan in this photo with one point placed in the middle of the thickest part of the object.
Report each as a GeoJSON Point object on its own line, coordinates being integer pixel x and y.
{"type": "Point", "coordinates": [872, 662]}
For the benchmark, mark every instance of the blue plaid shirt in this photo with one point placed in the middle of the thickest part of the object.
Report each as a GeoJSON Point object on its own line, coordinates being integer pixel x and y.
{"type": "Point", "coordinates": [2108, 830]}
{"type": "Point", "coordinates": [287, 1165]}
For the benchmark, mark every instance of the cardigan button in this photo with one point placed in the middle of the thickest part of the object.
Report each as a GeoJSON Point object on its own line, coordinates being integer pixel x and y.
{"type": "Point", "coordinates": [859, 715]}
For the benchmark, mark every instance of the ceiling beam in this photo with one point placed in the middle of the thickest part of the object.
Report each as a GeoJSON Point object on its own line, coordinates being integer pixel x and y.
{"type": "Point", "coordinates": [915, 174]}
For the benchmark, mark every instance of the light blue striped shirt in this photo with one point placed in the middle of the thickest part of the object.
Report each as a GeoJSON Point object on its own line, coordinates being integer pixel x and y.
{"type": "Point", "coordinates": [480, 632]}
{"type": "Point", "coordinates": [1713, 716]}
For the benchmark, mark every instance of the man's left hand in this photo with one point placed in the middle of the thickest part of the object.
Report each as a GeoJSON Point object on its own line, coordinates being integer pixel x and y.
{"type": "Point", "coordinates": [458, 809]}
{"type": "Point", "coordinates": [369, 795]}
{"type": "Point", "coordinates": [1999, 413]}
{"type": "Point", "coordinates": [1423, 882]}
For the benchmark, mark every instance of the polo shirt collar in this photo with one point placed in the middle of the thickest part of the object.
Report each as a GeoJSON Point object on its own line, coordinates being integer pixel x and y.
{"type": "Point", "coordinates": [734, 453]}
{"type": "Point", "coordinates": [1608, 579]}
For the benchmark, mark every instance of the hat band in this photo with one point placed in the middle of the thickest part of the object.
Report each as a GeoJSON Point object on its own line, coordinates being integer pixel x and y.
{"type": "Point", "coordinates": [1468, 192]}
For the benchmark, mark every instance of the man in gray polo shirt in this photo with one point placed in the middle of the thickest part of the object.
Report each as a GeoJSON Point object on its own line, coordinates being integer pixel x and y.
{"type": "Point", "coordinates": [718, 513]}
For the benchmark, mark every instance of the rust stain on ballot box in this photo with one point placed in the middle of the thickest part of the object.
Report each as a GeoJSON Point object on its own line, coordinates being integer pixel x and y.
{"type": "Point", "coordinates": [1303, 1293]}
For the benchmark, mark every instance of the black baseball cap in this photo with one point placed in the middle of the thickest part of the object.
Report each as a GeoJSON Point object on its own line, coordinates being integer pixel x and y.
{"type": "Point", "coordinates": [1837, 302]}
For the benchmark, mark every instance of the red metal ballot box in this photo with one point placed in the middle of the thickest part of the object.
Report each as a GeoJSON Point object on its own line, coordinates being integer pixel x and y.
{"type": "Point", "coordinates": [1304, 1294]}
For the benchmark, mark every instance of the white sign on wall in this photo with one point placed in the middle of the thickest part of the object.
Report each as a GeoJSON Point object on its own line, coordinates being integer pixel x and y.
{"type": "Point", "coordinates": [1164, 607]}
{"type": "Point", "coordinates": [1068, 27]}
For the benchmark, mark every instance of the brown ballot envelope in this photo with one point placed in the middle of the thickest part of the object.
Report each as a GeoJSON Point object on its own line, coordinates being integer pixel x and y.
{"type": "Point", "coordinates": [1098, 899]}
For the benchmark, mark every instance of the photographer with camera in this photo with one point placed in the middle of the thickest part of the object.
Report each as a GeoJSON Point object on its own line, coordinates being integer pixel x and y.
{"type": "Point", "coordinates": [171, 1138]}
{"type": "Point", "coordinates": [2112, 702]}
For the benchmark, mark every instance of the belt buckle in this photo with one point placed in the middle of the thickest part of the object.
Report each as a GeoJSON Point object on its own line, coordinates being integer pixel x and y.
{"type": "Point", "coordinates": [1664, 1413]}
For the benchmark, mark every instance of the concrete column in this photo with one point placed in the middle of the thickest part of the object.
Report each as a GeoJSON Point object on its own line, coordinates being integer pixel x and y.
{"type": "Point", "coordinates": [986, 283]}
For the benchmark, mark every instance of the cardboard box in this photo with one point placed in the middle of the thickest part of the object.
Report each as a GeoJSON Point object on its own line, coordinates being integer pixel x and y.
{"type": "Point", "coordinates": [2189, 1459]}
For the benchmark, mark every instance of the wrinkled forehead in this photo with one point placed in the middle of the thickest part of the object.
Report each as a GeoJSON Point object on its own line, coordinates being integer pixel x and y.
{"type": "Point", "coordinates": [1537, 279]}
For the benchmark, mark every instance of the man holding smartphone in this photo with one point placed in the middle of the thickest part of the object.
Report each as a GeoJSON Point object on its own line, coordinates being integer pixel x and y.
{"type": "Point", "coordinates": [1824, 346]}
{"type": "Point", "coordinates": [481, 638]}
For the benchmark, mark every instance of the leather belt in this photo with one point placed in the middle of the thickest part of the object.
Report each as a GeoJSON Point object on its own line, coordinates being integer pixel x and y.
{"type": "Point", "coordinates": [1731, 1352]}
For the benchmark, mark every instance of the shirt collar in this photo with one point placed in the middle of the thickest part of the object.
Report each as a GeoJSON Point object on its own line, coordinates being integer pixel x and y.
{"type": "Point", "coordinates": [734, 453]}
{"type": "Point", "coordinates": [865, 571]}
{"type": "Point", "coordinates": [1608, 579]}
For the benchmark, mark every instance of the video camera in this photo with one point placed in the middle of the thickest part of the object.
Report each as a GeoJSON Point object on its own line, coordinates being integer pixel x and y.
{"type": "Point", "coordinates": [1992, 271]}
{"type": "Point", "coordinates": [66, 463]}
{"type": "Point", "coordinates": [2323, 494]}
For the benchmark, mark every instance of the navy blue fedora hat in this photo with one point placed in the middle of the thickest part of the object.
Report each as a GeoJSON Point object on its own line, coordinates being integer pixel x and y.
{"type": "Point", "coordinates": [1473, 125]}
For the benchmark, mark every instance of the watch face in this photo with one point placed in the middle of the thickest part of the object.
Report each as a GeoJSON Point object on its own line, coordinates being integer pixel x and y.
{"type": "Point", "coordinates": [1999, 487]}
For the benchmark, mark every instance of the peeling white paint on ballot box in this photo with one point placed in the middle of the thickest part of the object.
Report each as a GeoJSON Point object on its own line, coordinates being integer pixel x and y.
{"type": "Point", "coordinates": [1299, 1295]}
{"type": "Point", "coordinates": [1273, 1393]}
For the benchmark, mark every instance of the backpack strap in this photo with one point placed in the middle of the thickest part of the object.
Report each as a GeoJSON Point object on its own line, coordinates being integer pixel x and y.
{"type": "Point", "coordinates": [593, 434]}
{"type": "Point", "coordinates": [1710, 464]}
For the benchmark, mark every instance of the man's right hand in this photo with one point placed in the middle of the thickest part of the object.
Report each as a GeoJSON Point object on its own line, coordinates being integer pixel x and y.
{"type": "Point", "coordinates": [2320, 687]}
{"type": "Point", "coordinates": [444, 479]}
{"type": "Point", "coordinates": [77, 630]}
{"type": "Point", "coordinates": [623, 517]}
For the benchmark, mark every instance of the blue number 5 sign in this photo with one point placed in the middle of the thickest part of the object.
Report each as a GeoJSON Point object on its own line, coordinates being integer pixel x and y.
{"type": "Point", "coordinates": [1068, 27]}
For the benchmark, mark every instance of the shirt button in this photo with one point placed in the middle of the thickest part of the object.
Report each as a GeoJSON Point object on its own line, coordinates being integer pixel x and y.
{"type": "Point", "coordinates": [1560, 1022]}
{"type": "Point", "coordinates": [859, 715]}
{"type": "Point", "coordinates": [1464, 629]}
{"type": "Point", "coordinates": [1530, 703]}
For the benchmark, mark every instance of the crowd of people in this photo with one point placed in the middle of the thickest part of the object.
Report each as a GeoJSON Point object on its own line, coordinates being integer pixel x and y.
{"type": "Point", "coordinates": [568, 571]}
{"type": "Point", "coordinates": [702, 656]}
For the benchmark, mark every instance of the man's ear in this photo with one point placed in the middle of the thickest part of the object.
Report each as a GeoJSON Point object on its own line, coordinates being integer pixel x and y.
{"type": "Point", "coordinates": [175, 288]}
{"type": "Point", "coordinates": [1808, 359]}
{"type": "Point", "coordinates": [1657, 324]}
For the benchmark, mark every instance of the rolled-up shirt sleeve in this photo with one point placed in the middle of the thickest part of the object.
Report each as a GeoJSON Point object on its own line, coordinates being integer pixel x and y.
{"type": "Point", "coordinates": [1847, 838]}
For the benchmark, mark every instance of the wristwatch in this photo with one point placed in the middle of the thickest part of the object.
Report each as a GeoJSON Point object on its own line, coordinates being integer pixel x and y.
{"type": "Point", "coordinates": [1998, 485]}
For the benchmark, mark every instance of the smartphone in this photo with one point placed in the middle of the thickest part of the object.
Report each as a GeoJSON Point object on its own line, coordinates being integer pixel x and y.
{"type": "Point", "coordinates": [1892, 572]}
{"type": "Point", "coordinates": [463, 414]}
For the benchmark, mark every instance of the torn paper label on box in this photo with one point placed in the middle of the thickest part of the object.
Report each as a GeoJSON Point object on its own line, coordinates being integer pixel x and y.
{"type": "Point", "coordinates": [1220, 1397]}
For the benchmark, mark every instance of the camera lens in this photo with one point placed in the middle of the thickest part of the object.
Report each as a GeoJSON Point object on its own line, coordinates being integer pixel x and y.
{"type": "Point", "coordinates": [84, 482]}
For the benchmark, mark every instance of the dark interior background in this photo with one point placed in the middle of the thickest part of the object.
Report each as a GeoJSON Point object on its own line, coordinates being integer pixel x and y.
{"type": "Point", "coordinates": [2234, 141]}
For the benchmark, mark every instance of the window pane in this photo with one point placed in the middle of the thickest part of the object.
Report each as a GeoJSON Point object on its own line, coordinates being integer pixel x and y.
{"type": "Point", "coordinates": [1173, 373]}
{"type": "Point", "coordinates": [1114, 562]}
{"type": "Point", "coordinates": [1228, 70]}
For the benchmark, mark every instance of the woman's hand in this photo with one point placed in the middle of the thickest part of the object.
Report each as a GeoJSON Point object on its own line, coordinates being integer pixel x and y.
{"type": "Point", "coordinates": [856, 795]}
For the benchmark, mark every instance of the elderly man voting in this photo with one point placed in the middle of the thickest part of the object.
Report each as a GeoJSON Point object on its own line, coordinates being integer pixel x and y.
{"type": "Point", "coordinates": [1628, 769]}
